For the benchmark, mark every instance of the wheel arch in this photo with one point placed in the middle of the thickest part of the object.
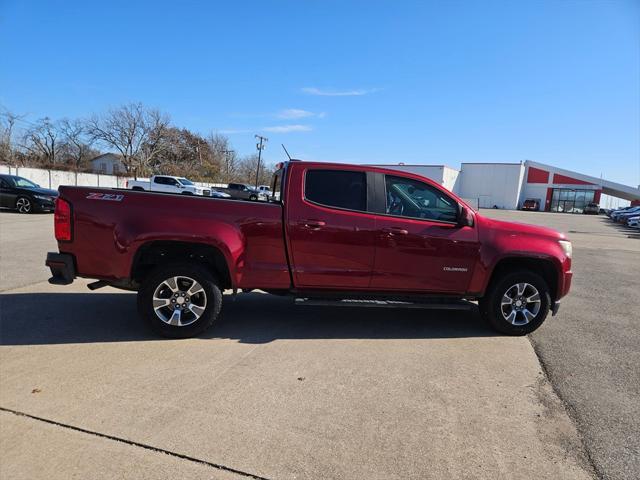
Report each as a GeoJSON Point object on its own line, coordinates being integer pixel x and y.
{"type": "Point", "coordinates": [545, 267]}
{"type": "Point", "coordinates": [154, 253]}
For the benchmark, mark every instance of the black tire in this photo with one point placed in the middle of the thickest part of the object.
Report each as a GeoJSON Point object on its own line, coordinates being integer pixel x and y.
{"type": "Point", "coordinates": [491, 307]}
{"type": "Point", "coordinates": [253, 198]}
{"type": "Point", "coordinates": [24, 205]}
{"type": "Point", "coordinates": [197, 272]}
{"type": "Point", "coordinates": [186, 193]}
{"type": "Point", "coordinates": [138, 189]}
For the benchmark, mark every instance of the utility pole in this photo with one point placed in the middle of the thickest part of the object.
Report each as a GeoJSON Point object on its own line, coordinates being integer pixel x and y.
{"type": "Point", "coordinates": [227, 155]}
{"type": "Point", "coordinates": [260, 146]}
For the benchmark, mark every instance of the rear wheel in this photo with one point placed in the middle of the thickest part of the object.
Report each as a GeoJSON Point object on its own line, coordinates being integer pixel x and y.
{"type": "Point", "coordinates": [138, 189]}
{"type": "Point", "coordinates": [180, 300]}
{"type": "Point", "coordinates": [24, 205]}
{"type": "Point", "coordinates": [517, 303]}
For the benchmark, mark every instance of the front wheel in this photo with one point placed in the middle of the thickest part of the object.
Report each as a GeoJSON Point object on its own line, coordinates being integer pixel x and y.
{"type": "Point", "coordinates": [180, 300]}
{"type": "Point", "coordinates": [253, 198]}
{"type": "Point", "coordinates": [24, 205]}
{"type": "Point", "coordinates": [517, 303]}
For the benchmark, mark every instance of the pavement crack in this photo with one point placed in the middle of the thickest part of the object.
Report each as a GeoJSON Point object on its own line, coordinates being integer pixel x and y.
{"type": "Point", "coordinates": [135, 444]}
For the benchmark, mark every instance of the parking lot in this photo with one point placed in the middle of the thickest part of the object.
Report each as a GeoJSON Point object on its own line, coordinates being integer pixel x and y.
{"type": "Point", "coordinates": [276, 391]}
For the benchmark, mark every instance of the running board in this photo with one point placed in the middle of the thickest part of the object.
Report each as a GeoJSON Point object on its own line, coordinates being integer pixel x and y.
{"type": "Point", "coordinates": [434, 305]}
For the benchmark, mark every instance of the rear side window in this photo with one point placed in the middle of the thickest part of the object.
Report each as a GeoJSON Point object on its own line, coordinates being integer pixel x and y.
{"type": "Point", "coordinates": [337, 188]}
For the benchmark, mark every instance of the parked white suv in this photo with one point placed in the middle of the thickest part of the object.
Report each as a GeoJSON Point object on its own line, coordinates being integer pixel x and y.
{"type": "Point", "coordinates": [265, 189]}
{"type": "Point", "coordinates": [165, 183]}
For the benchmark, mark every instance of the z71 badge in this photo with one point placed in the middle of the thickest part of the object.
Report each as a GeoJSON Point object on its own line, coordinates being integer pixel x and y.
{"type": "Point", "coordinates": [111, 197]}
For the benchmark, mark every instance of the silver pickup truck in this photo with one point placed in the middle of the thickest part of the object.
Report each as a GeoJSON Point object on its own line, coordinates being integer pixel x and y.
{"type": "Point", "coordinates": [243, 191]}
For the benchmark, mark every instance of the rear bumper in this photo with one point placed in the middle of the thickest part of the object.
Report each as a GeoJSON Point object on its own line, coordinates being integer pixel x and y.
{"type": "Point", "coordinates": [62, 268]}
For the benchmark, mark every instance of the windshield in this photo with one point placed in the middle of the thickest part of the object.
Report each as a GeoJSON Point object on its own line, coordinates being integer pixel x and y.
{"type": "Point", "coordinates": [184, 181]}
{"type": "Point", "coordinates": [23, 182]}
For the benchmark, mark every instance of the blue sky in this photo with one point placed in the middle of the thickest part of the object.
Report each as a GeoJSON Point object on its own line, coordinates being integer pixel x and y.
{"type": "Point", "coordinates": [377, 81]}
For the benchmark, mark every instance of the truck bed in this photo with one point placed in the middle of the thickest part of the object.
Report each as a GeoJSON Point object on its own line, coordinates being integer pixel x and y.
{"type": "Point", "coordinates": [111, 226]}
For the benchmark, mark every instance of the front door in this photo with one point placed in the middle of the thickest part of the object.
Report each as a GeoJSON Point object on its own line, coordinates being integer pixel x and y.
{"type": "Point", "coordinates": [419, 245]}
{"type": "Point", "coordinates": [7, 194]}
{"type": "Point", "coordinates": [330, 234]}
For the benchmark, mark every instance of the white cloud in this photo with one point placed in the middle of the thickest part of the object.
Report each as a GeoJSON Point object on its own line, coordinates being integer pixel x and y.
{"type": "Point", "coordinates": [295, 113]}
{"type": "Point", "coordinates": [339, 93]}
{"type": "Point", "coordinates": [288, 128]}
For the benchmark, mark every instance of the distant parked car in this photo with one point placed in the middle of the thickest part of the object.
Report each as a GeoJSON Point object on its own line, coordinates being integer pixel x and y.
{"type": "Point", "coordinates": [217, 194]}
{"type": "Point", "coordinates": [265, 189]}
{"type": "Point", "coordinates": [622, 215]}
{"type": "Point", "coordinates": [25, 196]}
{"type": "Point", "coordinates": [591, 209]}
{"type": "Point", "coordinates": [634, 222]}
{"type": "Point", "coordinates": [531, 204]}
{"type": "Point", "coordinates": [242, 191]}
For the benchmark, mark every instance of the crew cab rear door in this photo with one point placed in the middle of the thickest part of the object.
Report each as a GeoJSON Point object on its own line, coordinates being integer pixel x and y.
{"type": "Point", "coordinates": [419, 245]}
{"type": "Point", "coordinates": [330, 234]}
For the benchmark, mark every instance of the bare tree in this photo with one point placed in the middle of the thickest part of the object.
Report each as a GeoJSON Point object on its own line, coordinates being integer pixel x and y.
{"type": "Point", "coordinates": [77, 144]}
{"type": "Point", "coordinates": [248, 168]}
{"type": "Point", "coordinates": [224, 157]}
{"type": "Point", "coordinates": [7, 127]}
{"type": "Point", "coordinates": [136, 132]}
{"type": "Point", "coordinates": [42, 140]}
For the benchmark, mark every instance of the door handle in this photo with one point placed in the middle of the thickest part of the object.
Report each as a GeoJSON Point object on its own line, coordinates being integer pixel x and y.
{"type": "Point", "coordinates": [395, 231]}
{"type": "Point", "coordinates": [312, 224]}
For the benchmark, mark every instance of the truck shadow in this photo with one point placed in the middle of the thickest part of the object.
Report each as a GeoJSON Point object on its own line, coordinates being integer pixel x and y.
{"type": "Point", "coordinates": [254, 318]}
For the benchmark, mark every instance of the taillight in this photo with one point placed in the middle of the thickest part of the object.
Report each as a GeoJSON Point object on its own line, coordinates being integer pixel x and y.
{"type": "Point", "coordinates": [126, 184]}
{"type": "Point", "coordinates": [62, 220]}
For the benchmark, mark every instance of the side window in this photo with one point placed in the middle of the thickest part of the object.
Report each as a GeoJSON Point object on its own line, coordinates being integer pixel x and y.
{"type": "Point", "coordinates": [3, 183]}
{"type": "Point", "coordinates": [276, 184]}
{"type": "Point", "coordinates": [406, 197]}
{"type": "Point", "coordinates": [337, 188]}
{"type": "Point", "coordinates": [160, 180]}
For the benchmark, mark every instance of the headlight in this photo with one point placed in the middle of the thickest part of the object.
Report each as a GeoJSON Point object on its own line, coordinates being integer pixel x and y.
{"type": "Point", "coordinates": [566, 247]}
{"type": "Point", "coordinates": [42, 197]}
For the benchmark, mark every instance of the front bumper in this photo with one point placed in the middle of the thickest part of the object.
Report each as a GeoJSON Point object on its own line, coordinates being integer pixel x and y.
{"type": "Point", "coordinates": [44, 205]}
{"type": "Point", "coordinates": [62, 267]}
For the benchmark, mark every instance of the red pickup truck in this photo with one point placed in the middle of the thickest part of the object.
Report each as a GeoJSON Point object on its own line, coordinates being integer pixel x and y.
{"type": "Point", "coordinates": [330, 231]}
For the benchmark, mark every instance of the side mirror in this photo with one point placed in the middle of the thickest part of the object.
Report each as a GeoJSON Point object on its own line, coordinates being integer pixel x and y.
{"type": "Point", "coordinates": [465, 219]}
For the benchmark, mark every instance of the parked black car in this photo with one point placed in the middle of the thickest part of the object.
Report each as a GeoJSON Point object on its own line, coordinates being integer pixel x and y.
{"type": "Point", "coordinates": [18, 193]}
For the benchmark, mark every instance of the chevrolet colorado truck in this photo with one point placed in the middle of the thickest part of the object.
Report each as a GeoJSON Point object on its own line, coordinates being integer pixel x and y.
{"type": "Point", "coordinates": [330, 232]}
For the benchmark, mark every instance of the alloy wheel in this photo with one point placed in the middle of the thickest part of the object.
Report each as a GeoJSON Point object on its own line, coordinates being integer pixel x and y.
{"type": "Point", "coordinates": [179, 301]}
{"type": "Point", "coordinates": [520, 304]}
{"type": "Point", "coordinates": [23, 205]}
